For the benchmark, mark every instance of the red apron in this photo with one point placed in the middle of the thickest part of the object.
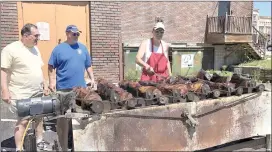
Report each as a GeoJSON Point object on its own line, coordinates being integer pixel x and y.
{"type": "Point", "coordinates": [158, 62]}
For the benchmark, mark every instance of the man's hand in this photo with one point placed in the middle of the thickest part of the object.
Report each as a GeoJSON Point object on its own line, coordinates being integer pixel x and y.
{"type": "Point", "coordinates": [52, 87]}
{"type": "Point", "coordinates": [92, 83]}
{"type": "Point", "coordinates": [46, 91]}
{"type": "Point", "coordinates": [6, 96]}
{"type": "Point", "coordinates": [45, 88]}
{"type": "Point", "coordinates": [149, 69]}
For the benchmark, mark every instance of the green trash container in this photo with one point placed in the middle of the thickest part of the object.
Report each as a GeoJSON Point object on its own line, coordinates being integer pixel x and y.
{"type": "Point", "coordinates": [132, 71]}
{"type": "Point", "coordinates": [186, 62]}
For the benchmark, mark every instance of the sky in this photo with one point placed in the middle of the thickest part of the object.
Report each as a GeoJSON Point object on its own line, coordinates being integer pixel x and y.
{"type": "Point", "coordinates": [264, 8]}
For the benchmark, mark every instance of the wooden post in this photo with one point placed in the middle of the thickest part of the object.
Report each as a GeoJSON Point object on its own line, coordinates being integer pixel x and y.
{"type": "Point", "coordinates": [226, 23]}
{"type": "Point", "coordinates": [208, 24]}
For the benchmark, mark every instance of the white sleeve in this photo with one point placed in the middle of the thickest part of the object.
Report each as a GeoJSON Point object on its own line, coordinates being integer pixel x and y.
{"type": "Point", "coordinates": [6, 58]}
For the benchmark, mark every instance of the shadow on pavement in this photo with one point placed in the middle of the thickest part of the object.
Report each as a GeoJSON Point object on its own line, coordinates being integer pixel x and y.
{"type": "Point", "coordinates": [8, 144]}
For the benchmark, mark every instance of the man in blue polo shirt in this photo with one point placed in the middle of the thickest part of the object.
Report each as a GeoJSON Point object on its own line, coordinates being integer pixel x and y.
{"type": "Point", "coordinates": [69, 59]}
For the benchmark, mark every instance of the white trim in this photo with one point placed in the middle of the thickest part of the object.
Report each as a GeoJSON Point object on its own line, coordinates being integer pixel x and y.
{"type": "Point", "coordinates": [141, 0]}
{"type": "Point", "coordinates": [9, 120]}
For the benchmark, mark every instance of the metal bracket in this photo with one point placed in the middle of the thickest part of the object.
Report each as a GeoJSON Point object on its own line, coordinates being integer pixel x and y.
{"type": "Point", "coordinates": [190, 120]}
{"type": "Point", "coordinates": [76, 115]}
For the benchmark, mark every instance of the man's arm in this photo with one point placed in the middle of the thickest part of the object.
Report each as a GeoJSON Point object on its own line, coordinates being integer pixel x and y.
{"type": "Point", "coordinates": [4, 84]}
{"type": "Point", "coordinates": [90, 73]}
{"type": "Point", "coordinates": [45, 85]}
{"type": "Point", "coordinates": [88, 65]}
{"type": "Point", "coordinates": [52, 79]}
{"type": "Point", "coordinates": [168, 63]}
{"type": "Point", "coordinates": [5, 95]}
{"type": "Point", "coordinates": [140, 54]}
{"type": "Point", "coordinates": [52, 64]}
{"type": "Point", "coordinates": [6, 62]}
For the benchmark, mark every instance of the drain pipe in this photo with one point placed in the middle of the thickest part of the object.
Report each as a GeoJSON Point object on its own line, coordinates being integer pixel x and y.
{"type": "Point", "coordinates": [271, 27]}
{"type": "Point", "coordinates": [269, 45]}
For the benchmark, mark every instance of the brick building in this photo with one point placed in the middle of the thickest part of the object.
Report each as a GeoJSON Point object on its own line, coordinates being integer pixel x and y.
{"type": "Point", "coordinates": [114, 25]}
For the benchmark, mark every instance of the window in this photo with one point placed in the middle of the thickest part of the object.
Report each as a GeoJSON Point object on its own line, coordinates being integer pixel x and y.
{"type": "Point", "coordinates": [223, 8]}
{"type": "Point", "coordinates": [254, 18]}
{"type": "Point", "coordinates": [261, 28]}
{"type": "Point", "coordinates": [268, 30]}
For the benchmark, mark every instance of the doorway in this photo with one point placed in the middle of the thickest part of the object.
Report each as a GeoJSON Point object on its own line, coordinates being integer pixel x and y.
{"type": "Point", "coordinates": [57, 15]}
{"type": "Point", "coordinates": [208, 58]}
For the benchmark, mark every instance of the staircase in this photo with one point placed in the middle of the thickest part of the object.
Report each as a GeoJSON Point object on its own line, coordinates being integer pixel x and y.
{"type": "Point", "coordinates": [237, 33]}
{"type": "Point", "coordinates": [257, 47]}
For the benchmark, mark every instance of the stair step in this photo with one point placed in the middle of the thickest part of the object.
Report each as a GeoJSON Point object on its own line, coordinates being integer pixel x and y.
{"type": "Point", "coordinates": [254, 51]}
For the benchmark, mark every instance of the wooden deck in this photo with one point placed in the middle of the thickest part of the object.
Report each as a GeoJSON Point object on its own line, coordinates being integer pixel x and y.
{"type": "Point", "coordinates": [229, 29]}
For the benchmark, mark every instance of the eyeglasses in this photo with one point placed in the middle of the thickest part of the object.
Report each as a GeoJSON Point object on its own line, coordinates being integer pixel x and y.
{"type": "Point", "coordinates": [37, 35]}
{"type": "Point", "coordinates": [76, 34]}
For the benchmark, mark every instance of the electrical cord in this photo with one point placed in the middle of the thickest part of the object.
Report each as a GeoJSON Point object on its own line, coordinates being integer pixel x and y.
{"type": "Point", "coordinates": [22, 141]}
{"type": "Point", "coordinates": [36, 94]}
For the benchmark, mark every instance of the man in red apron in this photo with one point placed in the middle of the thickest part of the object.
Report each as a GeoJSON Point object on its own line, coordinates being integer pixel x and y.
{"type": "Point", "coordinates": [153, 56]}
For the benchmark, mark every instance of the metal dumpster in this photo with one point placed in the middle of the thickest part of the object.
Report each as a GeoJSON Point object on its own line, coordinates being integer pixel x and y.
{"type": "Point", "coordinates": [163, 128]}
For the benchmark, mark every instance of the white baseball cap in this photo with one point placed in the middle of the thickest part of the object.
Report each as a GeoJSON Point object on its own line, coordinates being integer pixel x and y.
{"type": "Point", "coordinates": [159, 25]}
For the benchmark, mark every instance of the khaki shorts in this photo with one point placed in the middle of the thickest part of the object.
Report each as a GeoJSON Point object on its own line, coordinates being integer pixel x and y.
{"type": "Point", "coordinates": [12, 108]}
{"type": "Point", "coordinates": [64, 93]}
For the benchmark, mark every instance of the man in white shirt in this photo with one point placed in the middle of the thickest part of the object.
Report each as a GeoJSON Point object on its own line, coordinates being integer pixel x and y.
{"type": "Point", "coordinates": [152, 55]}
{"type": "Point", "coordinates": [22, 76]}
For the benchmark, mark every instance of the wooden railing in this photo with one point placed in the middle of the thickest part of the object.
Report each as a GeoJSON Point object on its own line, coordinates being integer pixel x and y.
{"type": "Point", "coordinates": [239, 25]}
{"type": "Point", "coordinates": [259, 42]}
{"type": "Point", "coordinates": [216, 24]}
{"type": "Point", "coordinates": [230, 24]}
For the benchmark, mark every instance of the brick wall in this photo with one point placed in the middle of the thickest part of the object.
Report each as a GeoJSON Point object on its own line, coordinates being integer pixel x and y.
{"type": "Point", "coordinates": [184, 21]}
{"type": "Point", "coordinates": [9, 23]}
{"type": "Point", "coordinates": [105, 27]}
{"type": "Point", "coordinates": [234, 58]}
{"type": "Point", "coordinates": [241, 8]}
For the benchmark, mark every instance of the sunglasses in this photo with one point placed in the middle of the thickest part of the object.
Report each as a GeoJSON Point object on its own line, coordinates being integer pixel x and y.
{"type": "Point", "coordinates": [159, 31]}
{"type": "Point", "coordinates": [76, 34]}
{"type": "Point", "coordinates": [36, 36]}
